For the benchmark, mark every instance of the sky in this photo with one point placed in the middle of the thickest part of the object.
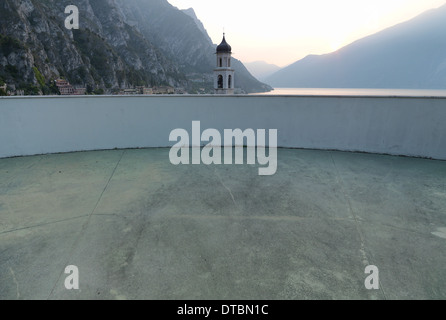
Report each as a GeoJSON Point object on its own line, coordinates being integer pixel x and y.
{"type": "Point", "coordinates": [283, 31]}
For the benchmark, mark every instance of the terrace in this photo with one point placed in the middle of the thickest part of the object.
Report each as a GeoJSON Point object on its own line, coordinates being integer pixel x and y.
{"type": "Point", "coordinates": [138, 227]}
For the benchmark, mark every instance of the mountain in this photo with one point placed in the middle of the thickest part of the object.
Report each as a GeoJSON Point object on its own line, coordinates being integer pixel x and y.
{"type": "Point", "coordinates": [105, 52]}
{"type": "Point", "coordinates": [120, 44]}
{"type": "Point", "coordinates": [191, 13]}
{"type": "Point", "coordinates": [409, 55]}
{"type": "Point", "coordinates": [261, 69]}
{"type": "Point", "coordinates": [181, 37]}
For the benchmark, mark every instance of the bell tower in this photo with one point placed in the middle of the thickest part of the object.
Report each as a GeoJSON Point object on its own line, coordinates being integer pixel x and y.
{"type": "Point", "coordinates": [224, 74]}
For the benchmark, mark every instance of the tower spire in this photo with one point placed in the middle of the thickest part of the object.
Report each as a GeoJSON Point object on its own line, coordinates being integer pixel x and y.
{"type": "Point", "coordinates": [224, 74]}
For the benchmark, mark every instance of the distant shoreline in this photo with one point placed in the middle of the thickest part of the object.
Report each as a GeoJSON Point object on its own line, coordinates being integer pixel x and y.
{"type": "Point", "coordinates": [356, 92]}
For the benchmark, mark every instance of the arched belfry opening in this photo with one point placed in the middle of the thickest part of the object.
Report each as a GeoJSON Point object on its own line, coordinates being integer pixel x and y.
{"type": "Point", "coordinates": [224, 74]}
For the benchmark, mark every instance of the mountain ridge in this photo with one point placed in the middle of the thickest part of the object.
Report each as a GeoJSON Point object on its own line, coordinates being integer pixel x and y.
{"type": "Point", "coordinates": [261, 69]}
{"type": "Point", "coordinates": [120, 44]}
{"type": "Point", "coordinates": [410, 55]}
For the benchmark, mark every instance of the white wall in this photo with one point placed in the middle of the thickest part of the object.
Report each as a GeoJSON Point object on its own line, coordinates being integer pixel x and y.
{"type": "Point", "coordinates": [400, 126]}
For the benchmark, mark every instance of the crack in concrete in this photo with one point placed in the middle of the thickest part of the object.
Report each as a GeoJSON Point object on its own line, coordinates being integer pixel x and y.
{"type": "Point", "coordinates": [84, 226]}
{"type": "Point", "coordinates": [43, 224]}
{"type": "Point", "coordinates": [15, 281]}
{"type": "Point", "coordinates": [264, 218]}
{"type": "Point", "coordinates": [441, 232]}
{"type": "Point", "coordinates": [62, 220]}
{"type": "Point", "coordinates": [229, 190]}
{"type": "Point", "coordinates": [362, 248]}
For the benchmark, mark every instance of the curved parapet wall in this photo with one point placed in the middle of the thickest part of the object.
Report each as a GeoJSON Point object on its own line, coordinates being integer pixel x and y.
{"type": "Point", "coordinates": [411, 126]}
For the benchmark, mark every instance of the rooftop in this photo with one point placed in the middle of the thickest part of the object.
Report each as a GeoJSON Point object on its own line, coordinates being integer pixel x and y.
{"type": "Point", "coordinates": [224, 47]}
{"type": "Point", "coordinates": [138, 227]}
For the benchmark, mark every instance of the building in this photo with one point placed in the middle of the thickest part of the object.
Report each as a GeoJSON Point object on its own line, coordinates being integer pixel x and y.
{"type": "Point", "coordinates": [65, 88]}
{"type": "Point", "coordinates": [146, 91]}
{"type": "Point", "coordinates": [129, 92]}
{"type": "Point", "coordinates": [224, 74]}
{"type": "Point", "coordinates": [164, 90]}
{"type": "Point", "coordinates": [79, 91]}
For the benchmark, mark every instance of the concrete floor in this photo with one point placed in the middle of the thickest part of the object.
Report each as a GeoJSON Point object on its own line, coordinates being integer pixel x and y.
{"type": "Point", "coordinates": [138, 227]}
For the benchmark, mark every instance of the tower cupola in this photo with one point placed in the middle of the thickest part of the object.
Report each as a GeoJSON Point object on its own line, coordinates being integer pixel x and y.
{"type": "Point", "coordinates": [224, 74]}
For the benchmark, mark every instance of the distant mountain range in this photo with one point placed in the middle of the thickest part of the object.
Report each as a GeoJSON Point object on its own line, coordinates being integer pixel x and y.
{"type": "Point", "coordinates": [261, 69]}
{"type": "Point", "coordinates": [120, 44]}
{"type": "Point", "coordinates": [409, 55]}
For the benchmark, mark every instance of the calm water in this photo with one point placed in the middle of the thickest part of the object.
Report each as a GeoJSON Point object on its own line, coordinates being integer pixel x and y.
{"type": "Point", "coordinates": [356, 92]}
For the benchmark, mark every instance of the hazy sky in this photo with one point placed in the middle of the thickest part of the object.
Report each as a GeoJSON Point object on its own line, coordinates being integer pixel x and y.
{"type": "Point", "coordinates": [283, 31]}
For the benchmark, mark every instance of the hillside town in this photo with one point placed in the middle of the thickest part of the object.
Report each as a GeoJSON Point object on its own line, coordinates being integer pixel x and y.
{"type": "Point", "coordinates": [222, 80]}
{"type": "Point", "coordinates": [65, 89]}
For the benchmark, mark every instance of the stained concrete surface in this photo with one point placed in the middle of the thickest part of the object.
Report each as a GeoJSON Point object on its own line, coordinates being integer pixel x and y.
{"type": "Point", "coordinates": [138, 227]}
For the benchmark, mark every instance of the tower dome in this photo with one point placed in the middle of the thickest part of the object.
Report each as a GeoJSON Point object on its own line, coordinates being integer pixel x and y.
{"type": "Point", "coordinates": [224, 47]}
{"type": "Point", "coordinates": [223, 73]}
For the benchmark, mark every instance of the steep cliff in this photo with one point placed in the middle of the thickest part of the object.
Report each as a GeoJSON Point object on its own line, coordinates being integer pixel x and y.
{"type": "Point", "coordinates": [105, 52]}
{"type": "Point", "coordinates": [120, 44]}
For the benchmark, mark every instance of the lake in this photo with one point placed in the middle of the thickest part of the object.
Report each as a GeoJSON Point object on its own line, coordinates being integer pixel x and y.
{"type": "Point", "coordinates": [356, 92]}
